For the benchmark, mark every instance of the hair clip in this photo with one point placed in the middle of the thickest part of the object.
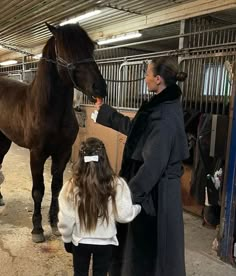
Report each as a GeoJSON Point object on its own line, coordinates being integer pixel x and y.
{"type": "Point", "coordinates": [92, 158]}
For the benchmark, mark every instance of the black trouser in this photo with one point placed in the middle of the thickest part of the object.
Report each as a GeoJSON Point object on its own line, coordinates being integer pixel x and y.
{"type": "Point", "coordinates": [102, 255]}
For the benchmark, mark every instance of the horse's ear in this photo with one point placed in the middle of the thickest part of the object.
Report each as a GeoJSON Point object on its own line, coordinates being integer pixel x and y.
{"type": "Point", "coordinates": [51, 28]}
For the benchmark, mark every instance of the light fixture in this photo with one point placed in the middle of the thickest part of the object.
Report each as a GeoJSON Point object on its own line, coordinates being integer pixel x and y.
{"type": "Point", "coordinates": [38, 56]}
{"type": "Point", "coordinates": [120, 37]}
{"type": "Point", "coordinates": [80, 17]}
{"type": "Point", "coordinates": [8, 62]}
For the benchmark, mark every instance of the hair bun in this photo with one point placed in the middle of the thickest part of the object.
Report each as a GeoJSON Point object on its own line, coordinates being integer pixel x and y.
{"type": "Point", "coordinates": [181, 76]}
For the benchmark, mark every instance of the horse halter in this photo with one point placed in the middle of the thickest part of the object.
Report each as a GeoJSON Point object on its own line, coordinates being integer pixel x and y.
{"type": "Point", "coordinates": [71, 66]}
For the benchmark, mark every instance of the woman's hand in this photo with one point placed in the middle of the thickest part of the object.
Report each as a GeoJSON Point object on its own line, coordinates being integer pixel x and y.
{"type": "Point", "coordinates": [98, 103]}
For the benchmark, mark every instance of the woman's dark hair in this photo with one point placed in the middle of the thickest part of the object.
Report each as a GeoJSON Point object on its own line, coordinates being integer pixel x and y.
{"type": "Point", "coordinates": [94, 183]}
{"type": "Point", "coordinates": [167, 68]}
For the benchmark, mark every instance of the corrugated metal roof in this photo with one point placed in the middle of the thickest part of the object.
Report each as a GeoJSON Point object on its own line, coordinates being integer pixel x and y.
{"type": "Point", "coordinates": [22, 21]}
{"type": "Point", "coordinates": [228, 16]}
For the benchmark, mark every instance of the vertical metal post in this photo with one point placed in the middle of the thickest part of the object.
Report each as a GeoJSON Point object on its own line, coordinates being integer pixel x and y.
{"type": "Point", "coordinates": [23, 68]}
{"type": "Point", "coordinates": [229, 191]}
{"type": "Point", "coordinates": [181, 39]}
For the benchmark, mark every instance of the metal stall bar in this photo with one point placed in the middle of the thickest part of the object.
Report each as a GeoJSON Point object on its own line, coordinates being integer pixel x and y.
{"type": "Point", "coordinates": [202, 84]}
{"type": "Point", "coordinates": [198, 84]}
{"type": "Point", "coordinates": [229, 191]}
{"type": "Point", "coordinates": [219, 83]}
{"type": "Point", "coordinates": [207, 87]}
{"type": "Point", "coordinates": [131, 78]}
{"type": "Point", "coordinates": [128, 85]}
{"type": "Point", "coordinates": [216, 67]}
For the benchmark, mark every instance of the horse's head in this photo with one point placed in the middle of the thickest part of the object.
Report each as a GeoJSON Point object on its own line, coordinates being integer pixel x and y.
{"type": "Point", "coordinates": [75, 62]}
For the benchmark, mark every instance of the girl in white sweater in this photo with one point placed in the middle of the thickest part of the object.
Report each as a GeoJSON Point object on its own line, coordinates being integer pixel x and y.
{"type": "Point", "coordinates": [89, 206]}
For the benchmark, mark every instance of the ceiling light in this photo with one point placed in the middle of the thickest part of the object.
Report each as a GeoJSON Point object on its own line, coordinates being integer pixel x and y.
{"type": "Point", "coordinates": [80, 17]}
{"type": "Point", "coordinates": [38, 56]}
{"type": "Point", "coordinates": [119, 38]}
{"type": "Point", "coordinates": [8, 62]}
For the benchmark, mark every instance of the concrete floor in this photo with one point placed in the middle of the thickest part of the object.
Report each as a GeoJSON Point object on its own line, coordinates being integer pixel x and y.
{"type": "Point", "coordinates": [19, 256]}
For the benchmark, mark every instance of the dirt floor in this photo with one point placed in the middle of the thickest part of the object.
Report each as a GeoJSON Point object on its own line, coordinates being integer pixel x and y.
{"type": "Point", "coordinates": [19, 256]}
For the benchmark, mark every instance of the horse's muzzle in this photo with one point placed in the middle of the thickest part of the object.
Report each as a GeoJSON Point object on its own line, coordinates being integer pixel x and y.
{"type": "Point", "coordinates": [100, 89]}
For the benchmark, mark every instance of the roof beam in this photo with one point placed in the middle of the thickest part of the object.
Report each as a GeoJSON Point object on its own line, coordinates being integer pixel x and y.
{"type": "Point", "coordinates": [177, 13]}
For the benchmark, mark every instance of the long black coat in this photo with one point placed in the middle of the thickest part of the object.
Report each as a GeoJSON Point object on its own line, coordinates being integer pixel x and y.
{"type": "Point", "coordinates": [153, 244]}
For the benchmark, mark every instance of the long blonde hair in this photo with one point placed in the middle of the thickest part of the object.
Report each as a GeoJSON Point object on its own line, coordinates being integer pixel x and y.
{"type": "Point", "coordinates": [93, 184]}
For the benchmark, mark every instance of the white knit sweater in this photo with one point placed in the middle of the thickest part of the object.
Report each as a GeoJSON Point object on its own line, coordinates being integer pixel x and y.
{"type": "Point", "coordinates": [68, 219]}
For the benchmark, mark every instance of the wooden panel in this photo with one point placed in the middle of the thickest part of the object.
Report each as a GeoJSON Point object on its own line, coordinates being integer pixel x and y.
{"type": "Point", "coordinates": [189, 203]}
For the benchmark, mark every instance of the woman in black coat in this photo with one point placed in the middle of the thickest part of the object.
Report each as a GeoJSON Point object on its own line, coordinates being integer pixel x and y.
{"type": "Point", "coordinates": [153, 244]}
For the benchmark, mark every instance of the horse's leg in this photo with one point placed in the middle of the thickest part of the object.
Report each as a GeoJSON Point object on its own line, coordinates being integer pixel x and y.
{"type": "Point", "coordinates": [2, 203]}
{"type": "Point", "coordinates": [59, 161]}
{"type": "Point", "coordinates": [5, 144]}
{"type": "Point", "coordinates": [37, 160]}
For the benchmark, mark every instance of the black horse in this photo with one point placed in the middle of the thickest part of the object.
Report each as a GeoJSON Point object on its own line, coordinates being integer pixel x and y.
{"type": "Point", "coordinates": [40, 116]}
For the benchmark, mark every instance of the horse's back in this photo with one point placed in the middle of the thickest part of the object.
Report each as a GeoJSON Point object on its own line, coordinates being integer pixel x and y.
{"type": "Point", "coordinates": [10, 84]}
{"type": "Point", "coordinates": [13, 96]}
{"type": "Point", "coordinates": [12, 91]}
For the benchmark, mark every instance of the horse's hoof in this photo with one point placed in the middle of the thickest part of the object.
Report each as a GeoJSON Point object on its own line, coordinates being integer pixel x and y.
{"type": "Point", "coordinates": [55, 231]}
{"type": "Point", "coordinates": [2, 203]}
{"type": "Point", "coordinates": [37, 238]}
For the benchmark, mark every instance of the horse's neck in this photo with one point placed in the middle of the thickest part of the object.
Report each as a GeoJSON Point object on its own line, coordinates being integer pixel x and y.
{"type": "Point", "coordinates": [49, 91]}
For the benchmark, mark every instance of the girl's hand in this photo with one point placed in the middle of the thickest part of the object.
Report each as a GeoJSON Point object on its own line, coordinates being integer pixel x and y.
{"type": "Point", "coordinates": [68, 247]}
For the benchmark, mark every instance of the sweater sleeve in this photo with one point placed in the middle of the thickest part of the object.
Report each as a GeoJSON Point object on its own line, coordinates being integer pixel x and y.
{"type": "Point", "coordinates": [126, 210]}
{"type": "Point", "coordinates": [66, 215]}
{"type": "Point", "coordinates": [109, 117]}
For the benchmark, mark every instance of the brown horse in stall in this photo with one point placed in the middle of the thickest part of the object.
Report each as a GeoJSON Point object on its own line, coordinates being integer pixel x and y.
{"type": "Point", "coordinates": [40, 116]}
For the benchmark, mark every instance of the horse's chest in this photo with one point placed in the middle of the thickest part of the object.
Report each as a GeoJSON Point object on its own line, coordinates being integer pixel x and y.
{"type": "Point", "coordinates": [66, 133]}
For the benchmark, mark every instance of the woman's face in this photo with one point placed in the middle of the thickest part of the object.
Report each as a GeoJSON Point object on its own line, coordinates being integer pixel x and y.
{"type": "Point", "coordinates": [152, 81]}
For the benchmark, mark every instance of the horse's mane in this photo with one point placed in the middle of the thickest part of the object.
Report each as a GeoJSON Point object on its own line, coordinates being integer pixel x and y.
{"type": "Point", "coordinates": [43, 82]}
{"type": "Point", "coordinates": [69, 37]}
{"type": "Point", "coordinates": [72, 35]}
{"type": "Point", "coordinates": [49, 49]}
